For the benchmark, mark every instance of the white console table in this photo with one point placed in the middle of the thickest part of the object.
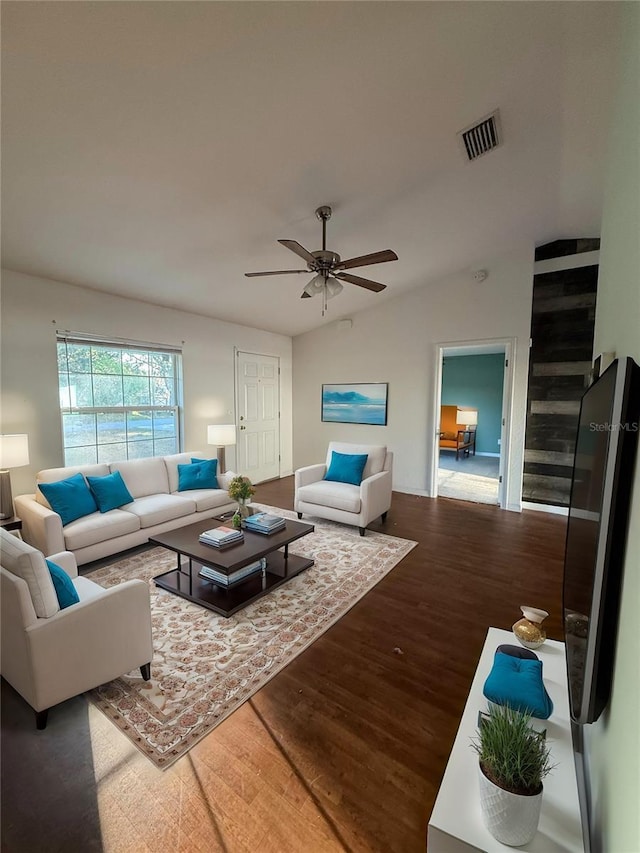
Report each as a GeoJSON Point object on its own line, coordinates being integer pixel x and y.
{"type": "Point", "coordinates": [456, 823]}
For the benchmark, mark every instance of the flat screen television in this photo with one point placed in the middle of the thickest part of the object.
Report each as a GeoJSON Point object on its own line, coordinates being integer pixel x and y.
{"type": "Point", "coordinates": [596, 534]}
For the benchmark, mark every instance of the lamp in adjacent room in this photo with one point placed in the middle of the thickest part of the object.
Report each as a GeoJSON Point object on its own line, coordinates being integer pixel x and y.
{"type": "Point", "coordinates": [14, 453]}
{"type": "Point", "coordinates": [467, 418]}
{"type": "Point", "coordinates": [222, 435]}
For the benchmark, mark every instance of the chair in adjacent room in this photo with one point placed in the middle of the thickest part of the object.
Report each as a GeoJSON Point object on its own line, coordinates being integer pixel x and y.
{"type": "Point", "coordinates": [63, 634]}
{"type": "Point", "coordinates": [452, 434]}
{"type": "Point", "coordinates": [345, 489]}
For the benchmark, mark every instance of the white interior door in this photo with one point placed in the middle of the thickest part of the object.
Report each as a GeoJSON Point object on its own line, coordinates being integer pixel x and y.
{"type": "Point", "coordinates": [258, 433]}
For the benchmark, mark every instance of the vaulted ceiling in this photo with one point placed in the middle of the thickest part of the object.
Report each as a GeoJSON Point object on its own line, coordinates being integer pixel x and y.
{"type": "Point", "coordinates": [158, 150]}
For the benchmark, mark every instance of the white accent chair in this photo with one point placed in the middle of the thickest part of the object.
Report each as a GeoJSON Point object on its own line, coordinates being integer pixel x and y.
{"type": "Point", "coordinates": [49, 654]}
{"type": "Point", "coordinates": [343, 502]}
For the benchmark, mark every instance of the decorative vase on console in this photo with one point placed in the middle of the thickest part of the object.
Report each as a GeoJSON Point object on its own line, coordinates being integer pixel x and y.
{"type": "Point", "coordinates": [528, 630]}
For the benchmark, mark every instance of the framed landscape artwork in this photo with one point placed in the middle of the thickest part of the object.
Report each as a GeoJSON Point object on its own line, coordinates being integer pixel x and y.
{"type": "Point", "coordinates": [356, 403]}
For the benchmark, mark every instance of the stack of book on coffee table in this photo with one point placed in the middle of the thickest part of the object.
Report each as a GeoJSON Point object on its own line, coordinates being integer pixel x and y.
{"type": "Point", "coordinates": [222, 536]}
{"type": "Point", "coordinates": [222, 579]}
{"type": "Point", "coordinates": [264, 522]}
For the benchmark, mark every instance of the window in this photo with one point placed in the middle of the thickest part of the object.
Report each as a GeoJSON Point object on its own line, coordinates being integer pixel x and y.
{"type": "Point", "coordinates": [118, 400]}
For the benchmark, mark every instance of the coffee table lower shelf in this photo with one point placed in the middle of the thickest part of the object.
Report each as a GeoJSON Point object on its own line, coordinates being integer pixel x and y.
{"type": "Point", "coordinates": [226, 601]}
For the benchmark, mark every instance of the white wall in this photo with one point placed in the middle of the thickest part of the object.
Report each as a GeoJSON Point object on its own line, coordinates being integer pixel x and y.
{"type": "Point", "coordinates": [33, 308]}
{"type": "Point", "coordinates": [395, 342]}
{"type": "Point", "coordinates": [613, 743]}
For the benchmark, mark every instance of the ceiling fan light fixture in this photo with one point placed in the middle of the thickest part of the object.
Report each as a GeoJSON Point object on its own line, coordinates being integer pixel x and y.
{"type": "Point", "coordinates": [333, 287]}
{"type": "Point", "coordinates": [325, 285]}
{"type": "Point", "coordinates": [315, 286]}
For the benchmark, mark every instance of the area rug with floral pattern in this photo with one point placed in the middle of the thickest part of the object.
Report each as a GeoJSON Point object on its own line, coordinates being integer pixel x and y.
{"type": "Point", "coordinates": [205, 665]}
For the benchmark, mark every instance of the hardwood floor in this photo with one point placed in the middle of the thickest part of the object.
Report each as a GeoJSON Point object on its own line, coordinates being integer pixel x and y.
{"type": "Point", "coordinates": [343, 750]}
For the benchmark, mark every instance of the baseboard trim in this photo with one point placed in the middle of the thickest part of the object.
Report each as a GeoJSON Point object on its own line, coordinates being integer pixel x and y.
{"type": "Point", "coordinates": [422, 493]}
{"type": "Point", "coordinates": [554, 510]}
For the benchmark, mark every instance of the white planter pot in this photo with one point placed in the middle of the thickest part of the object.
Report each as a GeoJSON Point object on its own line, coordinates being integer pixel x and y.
{"type": "Point", "coordinates": [511, 818]}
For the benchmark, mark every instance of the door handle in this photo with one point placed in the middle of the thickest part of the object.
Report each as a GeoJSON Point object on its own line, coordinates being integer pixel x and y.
{"type": "Point", "coordinates": [242, 427]}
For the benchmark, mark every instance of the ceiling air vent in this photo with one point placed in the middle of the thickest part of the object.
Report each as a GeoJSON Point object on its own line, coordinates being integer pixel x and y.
{"type": "Point", "coordinates": [482, 136]}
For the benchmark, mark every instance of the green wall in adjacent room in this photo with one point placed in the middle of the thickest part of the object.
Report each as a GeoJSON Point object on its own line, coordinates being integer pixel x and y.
{"type": "Point", "coordinates": [475, 382]}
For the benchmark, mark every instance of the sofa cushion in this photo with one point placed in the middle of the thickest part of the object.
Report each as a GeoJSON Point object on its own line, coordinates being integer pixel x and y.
{"type": "Point", "coordinates": [65, 590]}
{"type": "Point", "coordinates": [52, 475]}
{"type": "Point", "coordinates": [206, 498]}
{"type": "Point", "coordinates": [171, 464]}
{"type": "Point", "coordinates": [156, 509]}
{"type": "Point", "coordinates": [144, 476]}
{"type": "Point", "coordinates": [98, 527]}
{"type": "Point", "coordinates": [342, 496]}
{"type": "Point", "coordinates": [346, 468]}
{"type": "Point", "coordinates": [70, 498]}
{"type": "Point", "coordinates": [376, 454]}
{"type": "Point", "coordinates": [198, 475]}
{"type": "Point", "coordinates": [28, 563]}
{"type": "Point", "coordinates": [109, 492]}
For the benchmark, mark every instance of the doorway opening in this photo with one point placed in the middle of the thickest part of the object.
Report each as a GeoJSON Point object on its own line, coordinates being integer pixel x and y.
{"type": "Point", "coordinates": [472, 408]}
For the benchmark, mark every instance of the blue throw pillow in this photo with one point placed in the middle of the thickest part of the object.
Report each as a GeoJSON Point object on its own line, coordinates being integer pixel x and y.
{"type": "Point", "coordinates": [517, 682]}
{"type": "Point", "coordinates": [201, 474]}
{"type": "Point", "coordinates": [110, 491]}
{"type": "Point", "coordinates": [70, 498]}
{"type": "Point", "coordinates": [65, 590]}
{"type": "Point", "coordinates": [199, 461]}
{"type": "Point", "coordinates": [346, 467]}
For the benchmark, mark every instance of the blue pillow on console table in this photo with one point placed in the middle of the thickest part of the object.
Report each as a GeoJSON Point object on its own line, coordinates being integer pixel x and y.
{"type": "Point", "coordinates": [63, 585]}
{"type": "Point", "coordinates": [201, 474]}
{"type": "Point", "coordinates": [346, 467]}
{"type": "Point", "coordinates": [517, 682]}
{"type": "Point", "coordinates": [70, 498]}
{"type": "Point", "coordinates": [110, 491]}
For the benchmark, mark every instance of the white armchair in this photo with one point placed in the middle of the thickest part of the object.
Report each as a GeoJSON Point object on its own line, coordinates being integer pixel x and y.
{"type": "Point", "coordinates": [49, 654]}
{"type": "Point", "coordinates": [344, 502]}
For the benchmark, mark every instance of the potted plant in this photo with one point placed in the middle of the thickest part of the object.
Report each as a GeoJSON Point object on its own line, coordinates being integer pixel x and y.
{"type": "Point", "coordinates": [514, 759]}
{"type": "Point", "coordinates": [241, 490]}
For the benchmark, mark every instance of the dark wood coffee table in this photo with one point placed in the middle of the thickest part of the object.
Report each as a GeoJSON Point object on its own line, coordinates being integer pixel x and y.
{"type": "Point", "coordinates": [185, 579]}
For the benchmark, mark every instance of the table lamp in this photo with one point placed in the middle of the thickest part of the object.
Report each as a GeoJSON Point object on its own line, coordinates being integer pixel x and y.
{"type": "Point", "coordinates": [467, 418]}
{"type": "Point", "coordinates": [14, 452]}
{"type": "Point", "coordinates": [222, 435]}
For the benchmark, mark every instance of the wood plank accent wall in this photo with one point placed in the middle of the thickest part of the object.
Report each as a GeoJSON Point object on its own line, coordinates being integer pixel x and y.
{"type": "Point", "coordinates": [562, 323]}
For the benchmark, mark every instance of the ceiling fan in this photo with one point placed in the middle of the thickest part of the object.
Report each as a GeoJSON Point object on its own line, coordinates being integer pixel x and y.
{"type": "Point", "coordinates": [329, 267]}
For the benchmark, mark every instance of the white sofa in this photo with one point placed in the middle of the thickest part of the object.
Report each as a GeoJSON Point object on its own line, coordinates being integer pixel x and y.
{"type": "Point", "coordinates": [349, 504]}
{"type": "Point", "coordinates": [157, 506]}
{"type": "Point", "coordinates": [50, 654]}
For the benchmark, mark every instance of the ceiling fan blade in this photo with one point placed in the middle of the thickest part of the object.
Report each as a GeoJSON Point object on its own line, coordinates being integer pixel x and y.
{"type": "Point", "coordinates": [361, 282]}
{"type": "Point", "coordinates": [305, 295]}
{"type": "Point", "coordinates": [299, 250]}
{"type": "Point", "coordinates": [365, 260]}
{"type": "Point", "coordinates": [275, 272]}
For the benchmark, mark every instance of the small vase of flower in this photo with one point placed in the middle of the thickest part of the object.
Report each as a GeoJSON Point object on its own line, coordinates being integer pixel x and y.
{"type": "Point", "coordinates": [241, 490]}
